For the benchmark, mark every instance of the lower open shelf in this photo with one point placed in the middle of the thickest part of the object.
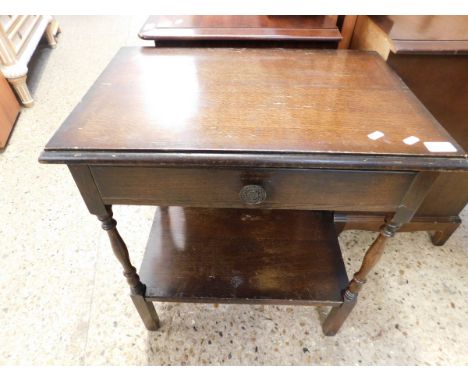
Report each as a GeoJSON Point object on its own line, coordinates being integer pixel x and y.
{"type": "Point", "coordinates": [243, 256]}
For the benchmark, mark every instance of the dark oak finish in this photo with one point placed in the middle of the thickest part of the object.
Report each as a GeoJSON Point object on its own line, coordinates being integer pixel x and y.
{"type": "Point", "coordinates": [9, 111]}
{"type": "Point", "coordinates": [441, 229]}
{"type": "Point", "coordinates": [285, 189]}
{"type": "Point", "coordinates": [430, 54]}
{"type": "Point", "coordinates": [441, 84]}
{"type": "Point", "coordinates": [88, 189]}
{"type": "Point", "coordinates": [413, 198]}
{"type": "Point", "coordinates": [238, 255]}
{"type": "Point", "coordinates": [218, 137]}
{"type": "Point", "coordinates": [260, 160]}
{"type": "Point", "coordinates": [121, 252]}
{"type": "Point", "coordinates": [137, 288]}
{"type": "Point", "coordinates": [190, 29]}
{"type": "Point", "coordinates": [199, 101]}
{"type": "Point", "coordinates": [432, 34]}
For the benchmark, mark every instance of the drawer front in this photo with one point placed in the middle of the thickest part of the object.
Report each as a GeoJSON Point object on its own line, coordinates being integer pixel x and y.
{"type": "Point", "coordinates": [255, 188]}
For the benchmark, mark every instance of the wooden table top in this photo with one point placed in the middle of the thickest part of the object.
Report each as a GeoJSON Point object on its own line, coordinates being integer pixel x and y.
{"type": "Point", "coordinates": [425, 33]}
{"type": "Point", "coordinates": [240, 28]}
{"type": "Point", "coordinates": [251, 101]}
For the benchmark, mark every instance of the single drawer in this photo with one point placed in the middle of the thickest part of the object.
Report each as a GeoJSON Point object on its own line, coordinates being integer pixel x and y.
{"type": "Point", "coordinates": [256, 188]}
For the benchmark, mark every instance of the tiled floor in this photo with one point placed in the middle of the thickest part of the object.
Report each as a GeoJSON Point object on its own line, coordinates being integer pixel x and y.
{"type": "Point", "coordinates": [63, 299]}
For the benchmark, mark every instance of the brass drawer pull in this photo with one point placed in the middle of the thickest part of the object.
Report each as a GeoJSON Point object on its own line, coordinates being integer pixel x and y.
{"type": "Point", "coordinates": [252, 194]}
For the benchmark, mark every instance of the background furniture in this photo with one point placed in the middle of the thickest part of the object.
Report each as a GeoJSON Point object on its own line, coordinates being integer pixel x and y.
{"type": "Point", "coordinates": [285, 31]}
{"type": "Point", "coordinates": [9, 111]}
{"type": "Point", "coordinates": [257, 148]}
{"type": "Point", "coordinates": [430, 54]}
{"type": "Point", "coordinates": [19, 36]}
{"type": "Point", "coordinates": [346, 24]}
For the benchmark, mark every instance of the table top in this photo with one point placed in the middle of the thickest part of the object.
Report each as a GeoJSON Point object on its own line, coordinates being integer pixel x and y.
{"type": "Point", "coordinates": [240, 28]}
{"type": "Point", "coordinates": [251, 101]}
{"type": "Point", "coordinates": [426, 33]}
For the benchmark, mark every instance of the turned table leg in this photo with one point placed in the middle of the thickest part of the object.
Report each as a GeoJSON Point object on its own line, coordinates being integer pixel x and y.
{"type": "Point", "coordinates": [413, 198]}
{"type": "Point", "coordinates": [338, 315]}
{"type": "Point", "coordinates": [145, 308]}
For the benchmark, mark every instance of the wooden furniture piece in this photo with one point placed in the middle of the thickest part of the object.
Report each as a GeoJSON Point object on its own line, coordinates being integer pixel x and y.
{"type": "Point", "coordinates": [9, 111]}
{"type": "Point", "coordinates": [285, 31]}
{"type": "Point", "coordinates": [346, 25]}
{"type": "Point", "coordinates": [248, 153]}
{"type": "Point", "coordinates": [430, 54]}
{"type": "Point", "coordinates": [19, 36]}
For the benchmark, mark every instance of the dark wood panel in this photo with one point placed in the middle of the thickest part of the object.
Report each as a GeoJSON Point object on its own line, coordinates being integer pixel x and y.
{"type": "Point", "coordinates": [249, 100]}
{"type": "Point", "coordinates": [163, 28]}
{"type": "Point", "coordinates": [264, 43]}
{"type": "Point", "coordinates": [275, 160]}
{"type": "Point", "coordinates": [441, 83]}
{"type": "Point", "coordinates": [448, 196]}
{"type": "Point", "coordinates": [302, 189]}
{"type": "Point", "coordinates": [425, 33]}
{"type": "Point", "coordinates": [241, 21]}
{"type": "Point", "coordinates": [236, 255]}
{"type": "Point", "coordinates": [88, 190]}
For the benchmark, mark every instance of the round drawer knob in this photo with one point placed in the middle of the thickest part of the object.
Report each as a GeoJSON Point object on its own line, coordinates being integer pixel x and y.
{"type": "Point", "coordinates": [252, 194]}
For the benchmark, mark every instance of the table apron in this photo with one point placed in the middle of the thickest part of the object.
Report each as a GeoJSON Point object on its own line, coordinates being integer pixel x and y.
{"type": "Point", "coordinates": [338, 190]}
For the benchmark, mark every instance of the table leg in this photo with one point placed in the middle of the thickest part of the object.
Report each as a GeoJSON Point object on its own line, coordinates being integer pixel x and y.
{"type": "Point", "coordinates": [22, 90]}
{"type": "Point", "coordinates": [441, 227]}
{"type": "Point", "coordinates": [439, 237]}
{"type": "Point", "coordinates": [413, 198]}
{"type": "Point", "coordinates": [145, 308]}
{"type": "Point", "coordinates": [338, 315]}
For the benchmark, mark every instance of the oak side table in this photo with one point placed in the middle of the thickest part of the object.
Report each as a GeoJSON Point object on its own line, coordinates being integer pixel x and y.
{"type": "Point", "coordinates": [249, 153]}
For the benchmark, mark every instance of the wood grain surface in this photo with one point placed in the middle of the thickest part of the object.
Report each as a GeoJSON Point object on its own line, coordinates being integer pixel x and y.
{"type": "Point", "coordinates": [285, 189]}
{"type": "Point", "coordinates": [425, 33]}
{"type": "Point", "coordinates": [250, 100]}
{"type": "Point", "coordinates": [236, 255]}
{"type": "Point", "coordinates": [189, 28]}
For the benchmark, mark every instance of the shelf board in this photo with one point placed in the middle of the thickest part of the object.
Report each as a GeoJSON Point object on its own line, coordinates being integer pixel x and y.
{"type": "Point", "coordinates": [243, 256]}
{"type": "Point", "coordinates": [240, 28]}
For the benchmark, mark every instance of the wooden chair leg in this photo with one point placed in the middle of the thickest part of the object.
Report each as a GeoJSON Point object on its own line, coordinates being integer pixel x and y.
{"type": "Point", "coordinates": [145, 308]}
